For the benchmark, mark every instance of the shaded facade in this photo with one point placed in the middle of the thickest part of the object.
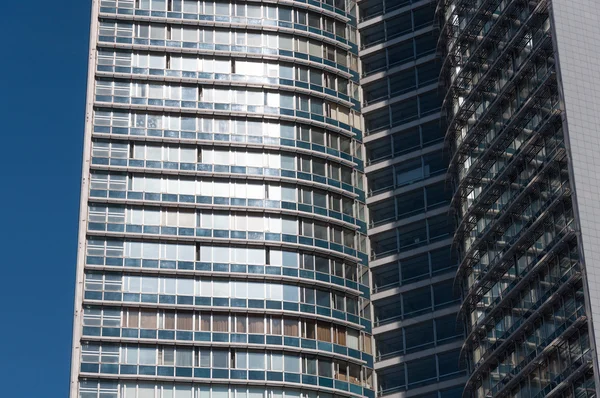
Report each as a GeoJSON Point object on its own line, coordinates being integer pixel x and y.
{"type": "Point", "coordinates": [222, 246]}
{"type": "Point", "coordinates": [413, 264]}
{"type": "Point", "coordinates": [526, 301]}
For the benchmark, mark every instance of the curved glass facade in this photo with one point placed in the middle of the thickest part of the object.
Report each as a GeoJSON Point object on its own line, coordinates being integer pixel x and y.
{"type": "Point", "coordinates": [520, 264]}
{"type": "Point", "coordinates": [223, 247]}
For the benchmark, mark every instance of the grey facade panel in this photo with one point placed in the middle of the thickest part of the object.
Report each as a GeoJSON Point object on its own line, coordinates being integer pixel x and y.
{"type": "Point", "coordinates": [577, 31]}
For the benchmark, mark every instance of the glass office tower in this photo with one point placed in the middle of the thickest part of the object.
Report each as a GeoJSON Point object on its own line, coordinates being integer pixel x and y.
{"type": "Point", "coordinates": [413, 264]}
{"type": "Point", "coordinates": [515, 73]}
{"type": "Point", "coordinates": [222, 244]}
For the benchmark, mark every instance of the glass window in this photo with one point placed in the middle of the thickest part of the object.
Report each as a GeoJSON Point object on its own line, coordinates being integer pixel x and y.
{"type": "Point", "coordinates": [184, 357]}
{"type": "Point", "coordinates": [318, 136]}
{"type": "Point", "coordinates": [292, 364]}
{"type": "Point", "coordinates": [145, 390]}
{"type": "Point", "coordinates": [320, 199]}
{"type": "Point", "coordinates": [285, 14]}
{"type": "Point", "coordinates": [290, 259]}
{"type": "Point", "coordinates": [443, 293]}
{"type": "Point", "coordinates": [256, 324]}
{"type": "Point", "coordinates": [414, 267]}
{"type": "Point", "coordinates": [220, 392]}
{"type": "Point", "coordinates": [221, 37]}
{"type": "Point", "coordinates": [286, 43]}
{"type": "Point", "coordinates": [221, 8]}
{"type": "Point", "coordinates": [422, 370]}
{"type": "Point", "coordinates": [147, 356]}
{"type": "Point", "coordinates": [338, 302]}
{"type": "Point", "coordinates": [318, 167]}
{"type": "Point", "coordinates": [323, 331]}
{"type": "Point", "coordinates": [419, 336]}
{"type": "Point", "coordinates": [221, 288]}
{"type": "Point", "coordinates": [290, 293]}
{"type": "Point", "coordinates": [316, 106]}
{"type": "Point", "coordinates": [417, 301]}
{"type": "Point", "coordinates": [446, 328]}
{"type": "Point", "coordinates": [253, 11]}
{"type": "Point", "coordinates": [241, 359]}
{"type": "Point", "coordinates": [276, 362]}
{"type": "Point", "coordinates": [310, 365]}
{"type": "Point", "coordinates": [308, 262]}
{"type": "Point", "coordinates": [325, 368]}
{"type": "Point", "coordinates": [290, 327]}
{"type": "Point", "coordinates": [181, 392]}
{"type": "Point", "coordinates": [256, 360]}
{"type": "Point", "coordinates": [220, 358]}
{"type": "Point", "coordinates": [353, 338]}
{"type": "Point", "coordinates": [320, 231]}
{"type": "Point", "coordinates": [321, 265]}
{"type": "Point", "coordinates": [323, 298]}
{"type": "Point", "coordinates": [204, 357]}
{"type": "Point", "coordinates": [455, 392]}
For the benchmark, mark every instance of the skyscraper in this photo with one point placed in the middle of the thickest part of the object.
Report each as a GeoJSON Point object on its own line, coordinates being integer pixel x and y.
{"type": "Point", "coordinates": [520, 81]}
{"type": "Point", "coordinates": [224, 249]}
{"type": "Point", "coordinates": [517, 88]}
{"type": "Point", "coordinates": [222, 245]}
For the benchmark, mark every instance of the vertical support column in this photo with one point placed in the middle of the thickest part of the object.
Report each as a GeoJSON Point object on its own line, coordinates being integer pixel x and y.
{"type": "Point", "coordinates": [83, 204]}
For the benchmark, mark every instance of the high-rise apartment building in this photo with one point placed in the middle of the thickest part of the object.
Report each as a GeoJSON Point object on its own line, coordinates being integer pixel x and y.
{"type": "Point", "coordinates": [225, 249]}
{"type": "Point", "coordinates": [222, 246]}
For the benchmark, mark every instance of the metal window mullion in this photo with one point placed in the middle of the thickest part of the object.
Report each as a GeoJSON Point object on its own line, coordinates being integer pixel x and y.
{"type": "Point", "coordinates": [432, 297]}
{"type": "Point", "coordinates": [405, 375]}
{"type": "Point", "coordinates": [437, 368]}
{"type": "Point", "coordinates": [396, 231]}
{"type": "Point", "coordinates": [402, 309]}
{"type": "Point", "coordinates": [427, 229]}
{"type": "Point", "coordinates": [414, 48]}
{"type": "Point", "coordinates": [399, 265]}
{"type": "Point", "coordinates": [435, 340]}
{"type": "Point", "coordinates": [403, 333]}
{"type": "Point", "coordinates": [430, 263]}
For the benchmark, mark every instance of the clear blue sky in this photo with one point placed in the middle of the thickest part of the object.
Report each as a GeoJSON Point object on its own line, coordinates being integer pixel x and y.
{"type": "Point", "coordinates": [43, 80]}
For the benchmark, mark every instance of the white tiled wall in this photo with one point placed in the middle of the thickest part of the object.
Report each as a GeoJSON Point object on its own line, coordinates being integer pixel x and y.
{"type": "Point", "coordinates": [577, 27]}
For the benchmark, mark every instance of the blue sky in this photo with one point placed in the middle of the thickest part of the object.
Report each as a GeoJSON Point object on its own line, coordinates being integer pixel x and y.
{"type": "Point", "coordinates": [43, 82]}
